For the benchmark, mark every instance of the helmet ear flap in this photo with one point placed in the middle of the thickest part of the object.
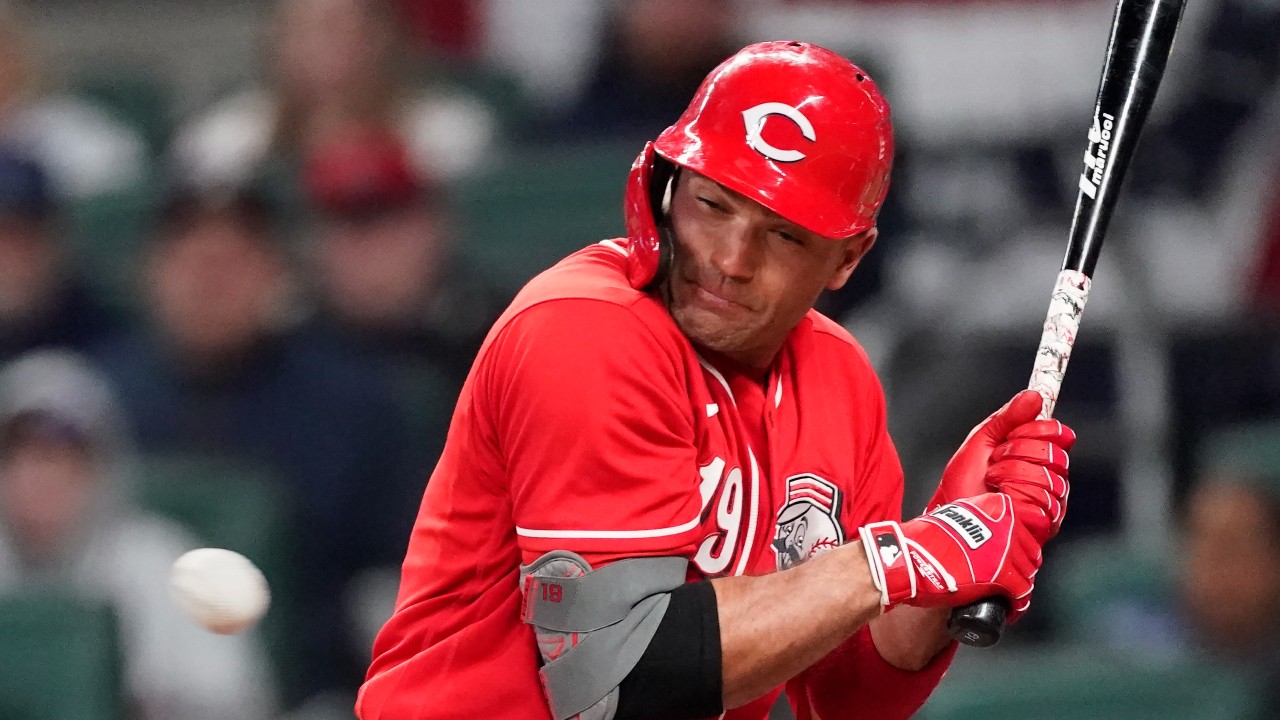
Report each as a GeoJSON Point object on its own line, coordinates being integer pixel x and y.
{"type": "Point", "coordinates": [649, 237]}
{"type": "Point", "coordinates": [662, 184]}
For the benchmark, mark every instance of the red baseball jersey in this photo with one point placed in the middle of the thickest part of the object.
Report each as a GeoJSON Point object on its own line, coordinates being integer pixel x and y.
{"type": "Point", "coordinates": [590, 423]}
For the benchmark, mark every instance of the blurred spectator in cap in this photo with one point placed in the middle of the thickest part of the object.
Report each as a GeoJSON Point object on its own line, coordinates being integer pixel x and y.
{"type": "Point", "coordinates": [333, 63]}
{"type": "Point", "coordinates": [1230, 548]}
{"type": "Point", "coordinates": [67, 522]}
{"type": "Point", "coordinates": [85, 150]}
{"type": "Point", "coordinates": [1233, 547]}
{"type": "Point", "coordinates": [392, 287]}
{"type": "Point", "coordinates": [651, 59]}
{"type": "Point", "coordinates": [388, 271]}
{"type": "Point", "coordinates": [217, 280]}
{"type": "Point", "coordinates": [222, 369]}
{"type": "Point", "coordinates": [43, 302]}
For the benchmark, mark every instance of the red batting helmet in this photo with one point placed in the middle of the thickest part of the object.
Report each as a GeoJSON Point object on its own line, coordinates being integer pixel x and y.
{"type": "Point", "coordinates": [790, 125]}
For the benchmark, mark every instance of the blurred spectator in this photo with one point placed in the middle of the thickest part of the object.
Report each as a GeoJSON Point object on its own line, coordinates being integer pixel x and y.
{"type": "Point", "coordinates": [389, 273]}
{"type": "Point", "coordinates": [333, 63]}
{"type": "Point", "coordinates": [390, 281]}
{"type": "Point", "coordinates": [86, 151]}
{"type": "Point", "coordinates": [222, 370]}
{"type": "Point", "coordinates": [653, 56]}
{"type": "Point", "coordinates": [43, 301]}
{"type": "Point", "coordinates": [1231, 567]}
{"type": "Point", "coordinates": [66, 521]}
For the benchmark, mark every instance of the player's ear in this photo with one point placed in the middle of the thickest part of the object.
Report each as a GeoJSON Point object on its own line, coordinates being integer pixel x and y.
{"type": "Point", "coordinates": [851, 254]}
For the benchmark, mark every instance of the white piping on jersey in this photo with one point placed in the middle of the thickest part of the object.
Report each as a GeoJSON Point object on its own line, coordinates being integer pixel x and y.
{"type": "Point", "coordinates": [610, 534]}
{"type": "Point", "coordinates": [777, 394]}
{"type": "Point", "coordinates": [706, 493]}
{"type": "Point", "coordinates": [716, 374]}
{"type": "Point", "coordinates": [613, 245]}
{"type": "Point", "coordinates": [751, 521]}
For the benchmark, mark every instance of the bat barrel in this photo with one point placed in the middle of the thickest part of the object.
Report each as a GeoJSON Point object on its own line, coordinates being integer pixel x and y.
{"type": "Point", "coordinates": [1142, 35]}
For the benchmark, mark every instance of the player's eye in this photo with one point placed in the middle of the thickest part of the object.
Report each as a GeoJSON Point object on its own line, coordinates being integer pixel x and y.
{"type": "Point", "coordinates": [712, 204]}
{"type": "Point", "coordinates": [789, 237]}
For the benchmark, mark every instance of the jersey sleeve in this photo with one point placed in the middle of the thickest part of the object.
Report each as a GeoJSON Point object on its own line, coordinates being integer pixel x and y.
{"type": "Point", "coordinates": [592, 417]}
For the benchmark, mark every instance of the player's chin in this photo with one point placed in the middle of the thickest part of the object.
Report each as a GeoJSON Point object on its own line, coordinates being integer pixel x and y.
{"type": "Point", "coordinates": [696, 322]}
{"type": "Point", "coordinates": [707, 329]}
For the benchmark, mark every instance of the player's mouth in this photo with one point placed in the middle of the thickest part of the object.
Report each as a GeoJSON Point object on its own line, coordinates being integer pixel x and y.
{"type": "Point", "coordinates": [712, 298]}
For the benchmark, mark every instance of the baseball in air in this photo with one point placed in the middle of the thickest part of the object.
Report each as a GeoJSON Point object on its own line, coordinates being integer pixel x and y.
{"type": "Point", "coordinates": [220, 589]}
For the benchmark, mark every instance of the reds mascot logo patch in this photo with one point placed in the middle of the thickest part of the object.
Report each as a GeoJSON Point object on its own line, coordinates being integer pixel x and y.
{"type": "Point", "coordinates": [809, 524]}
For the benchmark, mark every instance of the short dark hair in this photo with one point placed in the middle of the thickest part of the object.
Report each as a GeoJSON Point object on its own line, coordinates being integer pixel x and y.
{"type": "Point", "coordinates": [183, 206]}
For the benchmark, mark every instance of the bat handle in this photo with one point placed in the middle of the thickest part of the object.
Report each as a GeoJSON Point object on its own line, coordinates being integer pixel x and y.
{"type": "Point", "coordinates": [982, 623]}
{"type": "Point", "coordinates": [979, 624]}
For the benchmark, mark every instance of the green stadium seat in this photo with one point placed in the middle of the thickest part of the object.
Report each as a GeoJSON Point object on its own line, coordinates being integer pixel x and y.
{"type": "Point", "coordinates": [226, 502]}
{"type": "Point", "coordinates": [500, 91]}
{"type": "Point", "coordinates": [238, 505]}
{"type": "Point", "coordinates": [1077, 682]}
{"type": "Point", "coordinates": [1090, 582]}
{"type": "Point", "coordinates": [105, 234]}
{"type": "Point", "coordinates": [61, 659]}
{"type": "Point", "coordinates": [133, 98]}
{"type": "Point", "coordinates": [538, 205]}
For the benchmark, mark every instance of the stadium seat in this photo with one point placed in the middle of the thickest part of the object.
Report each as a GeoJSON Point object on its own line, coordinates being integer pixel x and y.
{"type": "Point", "coordinates": [233, 504]}
{"type": "Point", "coordinates": [61, 659]}
{"type": "Point", "coordinates": [498, 89]}
{"type": "Point", "coordinates": [1100, 590]}
{"type": "Point", "coordinates": [538, 205]}
{"type": "Point", "coordinates": [105, 233]}
{"type": "Point", "coordinates": [225, 502]}
{"type": "Point", "coordinates": [1074, 682]}
{"type": "Point", "coordinates": [135, 99]}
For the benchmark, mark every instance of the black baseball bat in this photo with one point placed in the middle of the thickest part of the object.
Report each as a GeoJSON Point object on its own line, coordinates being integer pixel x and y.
{"type": "Point", "coordinates": [1142, 34]}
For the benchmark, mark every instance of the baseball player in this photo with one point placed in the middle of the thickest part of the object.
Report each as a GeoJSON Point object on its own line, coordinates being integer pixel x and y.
{"type": "Point", "coordinates": [668, 490]}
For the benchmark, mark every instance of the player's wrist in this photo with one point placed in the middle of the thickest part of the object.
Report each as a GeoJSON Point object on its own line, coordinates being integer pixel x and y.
{"type": "Point", "coordinates": [845, 572]}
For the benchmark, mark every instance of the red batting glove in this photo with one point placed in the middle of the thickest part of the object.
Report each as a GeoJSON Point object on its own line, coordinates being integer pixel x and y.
{"type": "Point", "coordinates": [960, 553]}
{"type": "Point", "coordinates": [1014, 453]}
{"type": "Point", "coordinates": [965, 474]}
{"type": "Point", "coordinates": [1031, 466]}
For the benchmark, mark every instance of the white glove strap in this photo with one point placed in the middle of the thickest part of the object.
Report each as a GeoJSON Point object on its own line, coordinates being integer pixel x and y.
{"type": "Point", "coordinates": [892, 571]}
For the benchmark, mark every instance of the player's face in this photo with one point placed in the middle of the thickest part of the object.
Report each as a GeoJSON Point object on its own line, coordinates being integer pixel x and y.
{"type": "Point", "coordinates": [742, 276]}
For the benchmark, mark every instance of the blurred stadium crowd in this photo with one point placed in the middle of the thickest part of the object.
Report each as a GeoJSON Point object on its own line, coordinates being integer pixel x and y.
{"type": "Point", "coordinates": [248, 249]}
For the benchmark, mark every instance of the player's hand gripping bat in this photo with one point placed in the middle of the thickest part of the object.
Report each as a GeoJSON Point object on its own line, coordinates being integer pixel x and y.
{"type": "Point", "coordinates": [1142, 33]}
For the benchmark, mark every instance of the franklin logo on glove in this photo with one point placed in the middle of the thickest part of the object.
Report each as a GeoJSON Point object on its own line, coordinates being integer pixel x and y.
{"type": "Point", "coordinates": [971, 529]}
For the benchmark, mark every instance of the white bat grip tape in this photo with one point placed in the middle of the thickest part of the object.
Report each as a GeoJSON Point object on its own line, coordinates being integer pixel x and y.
{"type": "Point", "coordinates": [1070, 292]}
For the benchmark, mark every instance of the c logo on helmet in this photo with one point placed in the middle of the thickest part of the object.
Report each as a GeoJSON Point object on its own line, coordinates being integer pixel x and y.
{"type": "Point", "coordinates": [755, 118]}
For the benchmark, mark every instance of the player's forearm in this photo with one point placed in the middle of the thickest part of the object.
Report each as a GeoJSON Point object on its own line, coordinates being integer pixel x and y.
{"type": "Point", "coordinates": [909, 638]}
{"type": "Point", "coordinates": [774, 626]}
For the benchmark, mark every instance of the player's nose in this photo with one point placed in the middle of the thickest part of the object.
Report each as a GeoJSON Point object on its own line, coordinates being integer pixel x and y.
{"type": "Point", "coordinates": [736, 254]}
